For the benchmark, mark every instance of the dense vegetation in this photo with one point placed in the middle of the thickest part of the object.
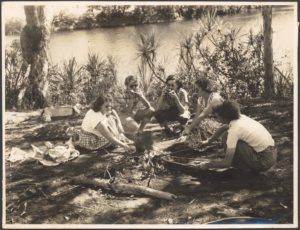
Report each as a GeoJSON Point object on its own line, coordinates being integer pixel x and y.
{"type": "Point", "coordinates": [13, 26]}
{"type": "Point", "coordinates": [235, 63]}
{"type": "Point", "coordinates": [111, 16]}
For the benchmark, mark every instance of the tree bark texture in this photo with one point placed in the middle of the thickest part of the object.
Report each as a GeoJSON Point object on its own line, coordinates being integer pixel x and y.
{"type": "Point", "coordinates": [268, 52]}
{"type": "Point", "coordinates": [120, 188]}
{"type": "Point", "coordinates": [34, 43]}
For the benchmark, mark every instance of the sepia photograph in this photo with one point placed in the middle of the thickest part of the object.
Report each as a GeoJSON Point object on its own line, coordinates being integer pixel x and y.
{"type": "Point", "coordinates": [149, 114]}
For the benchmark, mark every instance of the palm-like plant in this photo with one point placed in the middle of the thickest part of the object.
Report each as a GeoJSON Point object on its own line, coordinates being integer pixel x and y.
{"type": "Point", "coordinates": [208, 21]}
{"type": "Point", "coordinates": [101, 77]}
{"type": "Point", "coordinates": [94, 64]}
{"type": "Point", "coordinates": [70, 73]}
{"type": "Point", "coordinates": [187, 53]}
{"type": "Point", "coordinates": [147, 52]}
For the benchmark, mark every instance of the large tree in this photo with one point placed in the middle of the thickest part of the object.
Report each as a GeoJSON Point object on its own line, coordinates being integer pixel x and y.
{"type": "Point", "coordinates": [268, 52]}
{"type": "Point", "coordinates": [34, 43]}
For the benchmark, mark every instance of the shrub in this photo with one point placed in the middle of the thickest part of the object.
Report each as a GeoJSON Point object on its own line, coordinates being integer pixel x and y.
{"type": "Point", "coordinates": [65, 83]}
{"type": "Point", "coordinates": [100, 76]}
{"type": "Point", "coordinates": [165, 13]}
{"type": "Point", "coordinates": [86, 21]}
{"type": "Point", "coordinates": [15, 74]}
{"type": "Point", "coordinates": [13, 26]}
{"type": "Point", "coordinates": [187, 12]}
{"type": "Point", "coordinates": [64, 21]}
{"type": "Point", "coordinates": [235, 61]}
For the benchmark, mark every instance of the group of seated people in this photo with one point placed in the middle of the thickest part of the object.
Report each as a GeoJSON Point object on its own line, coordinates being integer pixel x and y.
{"type": "Point", "coordinates": [247, 144]}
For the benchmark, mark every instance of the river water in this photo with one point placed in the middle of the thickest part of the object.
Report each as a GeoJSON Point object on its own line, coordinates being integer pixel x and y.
{"type": "Point", "coordinates": [121, 43]}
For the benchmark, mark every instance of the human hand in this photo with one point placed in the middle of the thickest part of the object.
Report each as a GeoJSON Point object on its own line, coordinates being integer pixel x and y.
{"type": "Point", "coordinates": [151, 108]}
{"type": "Point", "coordinates": [129, 142]}
{"type": "Point", "coordinates": [173, 94]}
{"type": "Point", "coordinates": [138, 93]}
{"type": "Point", "coordinates": [129, 148]}
{"type": "Point", "coordinates": [181, 139]}
{"type": "Point", "coordinates": [186, 131]}
{"type": "Point", "coordinates": [204, 142]}
{"type": "Point", "coordinates": [165, 91]}
{"type": "Point", "coordinates": [125, 140]}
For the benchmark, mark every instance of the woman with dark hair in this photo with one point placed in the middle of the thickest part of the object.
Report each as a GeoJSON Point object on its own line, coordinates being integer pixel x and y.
{"type": "Point", "coordinates": [101, 127]}
{"type": "Point", "coordinates": [247, 144]}
{"type": "Point", "coordinates": [172, 104]}
{"type": "Point", "coordinates": [210, 98]}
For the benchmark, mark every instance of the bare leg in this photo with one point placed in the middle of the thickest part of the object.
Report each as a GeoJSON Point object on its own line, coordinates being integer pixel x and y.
{"type": "Point", "coordinates": [146, 117]}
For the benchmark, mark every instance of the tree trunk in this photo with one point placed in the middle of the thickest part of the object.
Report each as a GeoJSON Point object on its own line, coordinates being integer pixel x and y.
{"type": "Point", "coordinates": [34, 41]}
{"type": "Point", "coordinates": [268, 52]}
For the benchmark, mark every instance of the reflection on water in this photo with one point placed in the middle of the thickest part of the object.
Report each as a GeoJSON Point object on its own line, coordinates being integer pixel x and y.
{"type": "Point", "coordinates": [121, 42]}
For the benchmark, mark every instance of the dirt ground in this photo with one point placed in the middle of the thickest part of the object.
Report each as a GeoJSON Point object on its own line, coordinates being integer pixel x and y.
{"type": "Point", "coordinates": [37, 194]}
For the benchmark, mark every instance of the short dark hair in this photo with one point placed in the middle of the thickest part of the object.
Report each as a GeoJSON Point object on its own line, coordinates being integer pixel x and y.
{"type": "Point", "coordinates": [170, 78]}
{"type": "Point", "coordinates": [205, 84]}
{"type": "Point", "coordinates": [177, 80]}
{"type": "Point", "coordinates": [229, 110]}
{"type": "Point", "coordinates": [129, 79]}
{"type": "Point", "coordinates": [97, 104]}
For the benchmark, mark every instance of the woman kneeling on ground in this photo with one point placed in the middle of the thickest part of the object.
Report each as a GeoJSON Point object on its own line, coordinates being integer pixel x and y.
{"type": "Point", "coordinates": [203, 124]}
{"type": "Point", "coordinates": [101, 128]}
{"type": "Point", "coordinates": [247, 144]}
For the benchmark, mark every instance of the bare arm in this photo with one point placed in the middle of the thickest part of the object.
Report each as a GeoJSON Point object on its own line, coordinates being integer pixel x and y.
{"type": "Point", "coordinates": [120, 128]}
{"type": "Point", "coordinates": [119, 123]}
{"type": "Point", "coordinates": [200, 117]}
{"type": "Point", "coordinates": [145, 102]}
{"type": "Point", "coordinates": [103, 129]}
{"type": "Point", "coordinates": [217, 134]}
{"type": "Point", "coordinates": [181, 100]}
{"type": "Point", "coordinates": [223, 163]}
{"type": "Point", "coordinates": [198, 109]}
{"type": "Point", "coordinates": [180, 106]}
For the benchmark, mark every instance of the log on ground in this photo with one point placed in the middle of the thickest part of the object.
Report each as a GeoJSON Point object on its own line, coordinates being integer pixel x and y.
{"type": "Point", "coordinates": [120, 188]}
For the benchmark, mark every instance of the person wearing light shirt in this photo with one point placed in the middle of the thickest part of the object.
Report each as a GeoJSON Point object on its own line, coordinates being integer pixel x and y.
{"type": "Point", "coordinates": [100, 128]}
{"type": "Point", "coordinates": [248, 145]}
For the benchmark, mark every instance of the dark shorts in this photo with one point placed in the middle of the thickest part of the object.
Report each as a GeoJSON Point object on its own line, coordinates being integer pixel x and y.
{"type": "Point", "coordinates": [143, 114]}
{"type": "Point", "coordinates": [246, 158]}
{"type": "Point", "coordinates": [170, 114]}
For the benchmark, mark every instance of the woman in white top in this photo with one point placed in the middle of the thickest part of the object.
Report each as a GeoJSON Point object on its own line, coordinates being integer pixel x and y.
{"type": "Point", "coordinates": [198, 129]}
{"type": "Point", "coordinates": [101, 127]}
{"type": "Point", "coordinates": [248, 145]}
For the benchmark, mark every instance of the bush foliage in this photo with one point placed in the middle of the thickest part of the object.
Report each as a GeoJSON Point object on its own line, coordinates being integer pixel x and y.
{"type": "Point", "coordinates": [216, 51]}
{"type": "Point", "coordinates": [234, 61]}
{"type": "Point", "coordinates": [120, 15]}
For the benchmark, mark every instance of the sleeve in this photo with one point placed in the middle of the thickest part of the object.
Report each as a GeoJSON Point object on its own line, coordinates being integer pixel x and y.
{"type": "Point", "coordinates": [232, 138]}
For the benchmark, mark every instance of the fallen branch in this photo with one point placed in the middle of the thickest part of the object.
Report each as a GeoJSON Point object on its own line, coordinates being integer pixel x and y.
{"type": "Point", "coordinates": [23, 182]}
{"type": "Point", "coordinates": [121, 188]}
